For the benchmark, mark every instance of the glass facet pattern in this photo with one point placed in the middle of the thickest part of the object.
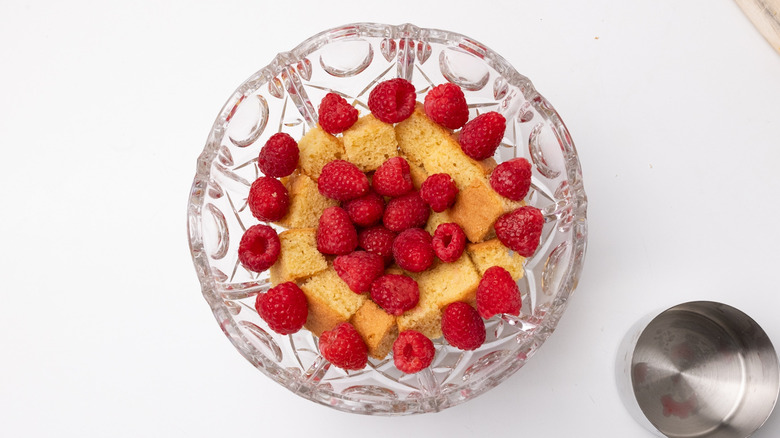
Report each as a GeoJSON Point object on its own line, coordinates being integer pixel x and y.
{"type": "Point", "coordinates": [283, 96]}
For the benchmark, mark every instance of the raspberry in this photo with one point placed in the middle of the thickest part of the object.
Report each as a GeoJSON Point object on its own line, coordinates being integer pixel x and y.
{"type": "Point", "coordinates": [378, 240]}
{"type": "Point", "coordinates": [512, 179]}
{"type": "Point", "coordinates": [412, 250]}
{"type": "Point", "coordinates": [520, 230]}
{"type": "Point", "coordinates": [439, 191]}
{"type": "Point", "coordinates": [412, 352]}
{"type": "Point", "coordinates": [407, 211]}
{"type": "Point", "coordinates": [268, 200]}
{"type": "Point", "coordinates": [283, 307]}
{"type": "Point", "coordinates": [395, 293]}
{"type": "Point", "coordinates": [343, 347]}
{"type": "Point", "coordinates": [342, 181]}
{"type": "Point", "coordinates": [498, 293]}
{"type": "Point", "coordinates": [336, 114]}
{"type": "Point", "coordinates": [462, 326]}
{"type": "Point", "coordinates": [392, 101]}
{"type": "Point", "coordinates": [366, 210]}
{"type": "Point", "coordinates": [259, 248]}
{"type": "Point", "coordinates": [392, 178]}
{"type": "Point", "coordinates": [446, 105]}
{"type": "Point", "coordinates": [279, 156]}
{"type": "Point", "coordinates": [358, 269]}
{"type": "Point", "coordinates": [480, 137]}
{"type": "Point", "coordinates": [335, 234]}
{"type": "Point", "coordinates": [449, 240]}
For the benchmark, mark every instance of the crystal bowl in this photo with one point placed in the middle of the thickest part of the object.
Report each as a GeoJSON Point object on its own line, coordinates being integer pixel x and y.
{"type": "Point", "coordinates": [282, 96]}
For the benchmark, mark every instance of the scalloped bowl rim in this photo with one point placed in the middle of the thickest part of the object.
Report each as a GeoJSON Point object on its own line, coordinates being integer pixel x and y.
{"type": "Point", "coordinates": [508, 364]}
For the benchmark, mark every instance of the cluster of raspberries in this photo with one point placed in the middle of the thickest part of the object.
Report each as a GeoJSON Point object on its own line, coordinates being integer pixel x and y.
{"type": "Point", "coordinates": [379, 222]}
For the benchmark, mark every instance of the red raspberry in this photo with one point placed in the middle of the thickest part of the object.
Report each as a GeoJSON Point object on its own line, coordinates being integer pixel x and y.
{"type": "Point", "coordinates": [392, 101]}
{"type": "Point", "coordinates": [343, 347]}
{"type": "Point", "coordinates": [462, 326]}
{"type": "Point", "coordinates": [412, 250]}
{"type": "Point", "coordinates": [395, 293]}
{"type": "Point", "coordinates": [366, 210]}
{"type": "Point", "coordinates": [449, 240]}
{"type": "Point", "coordinates": [480, 137]}
{"type": "Point", "coordinates": [358, 269]}
{"type": "Point", "coordinates": [446, 105]}
{"type": "Point", "coordinates": [512, 179]}
{"type": "Point", "coordinates": [393, 178]}
{"type": "Point", "coordinates": [378, 240]}
{"type": "Point", "coordinates": [439, 191]}
{"type": "Point", "coordinates": [498, 293]}
{"type": "Point", "coordinates": [342, 181]}
{"type": "Point", "coordinates": [336, 114]}
{"type": "Point", "coordinates": [259, 248]}
{"type": "Point", "coordinates": [283, 307]}
{"type": "Point", "coordinates": [412, 352]}
{"type": "Point", "coordinates": [279, 156]}
{"type": "Point", "coordinates": [268, 199]}
{"type": "Point", "coordinates": [407, 211]}
{"type": "Point", "coordinates": [520, 230]}
{"type": "Point", "coordinates": [335, 234]}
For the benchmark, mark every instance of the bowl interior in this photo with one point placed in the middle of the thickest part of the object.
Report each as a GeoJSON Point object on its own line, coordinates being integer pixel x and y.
{"type": "Point", "coordinates": [283, 97]}
{"type": "Point", "coordinates": [705, 369]}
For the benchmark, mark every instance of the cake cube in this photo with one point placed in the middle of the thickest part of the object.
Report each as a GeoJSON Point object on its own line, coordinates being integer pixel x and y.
{"type": "Point", "coordinates": [369, 143]}
{"type": "Point", "coordinates": [330, 301]}
{"type": "Point", "coordinates": [487, 165]}
{"type": "Point", "coordinates": [377, 328]}
{"type": "Point", "coordinates": [493, 253]}
{"type": "Point", "coordinates": [318, 148]}
{"type": "Point", "coordinates": [433, 147]}
{"type": "Point", "coordinates": [436, 219]}
{"type": "Point", "coordinates": [445, 283]}
{"type": "Point", "coordinates": [476, 208]}
{"type": "Point", "coordinates": [418, 174]}
{"type": "Point", "coordinates": [424, 318]}
{"type": "Point", "coordinates": [306, 203]}
{"type": "Point", "coordinates": [510, 205]}
{"type": "Point", "coordinates": [298, 258]}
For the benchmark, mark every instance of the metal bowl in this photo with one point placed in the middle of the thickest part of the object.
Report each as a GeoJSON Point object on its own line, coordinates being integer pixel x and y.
{"type": "Point", "coordinates": [704, 369]}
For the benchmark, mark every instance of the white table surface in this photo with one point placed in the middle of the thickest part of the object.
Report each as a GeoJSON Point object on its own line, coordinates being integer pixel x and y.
{"type": "Point", "coordinates": [104, 106]}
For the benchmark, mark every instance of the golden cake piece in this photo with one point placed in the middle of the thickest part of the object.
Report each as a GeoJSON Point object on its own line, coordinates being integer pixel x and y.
{"type": "Point", "coordinates": [433, 147]}
{"type": "Point", "coordinates": [318, 148]}
{"type": "Point", "coordinates": [494, 253]}
{"type": "Point", "coordinates": [298, 258]}
{"type": "Point", "coordinates": [418, 174]}
{"type": "Point", "coordinates": [487, 165]}
{"type": "Point", "coordinates": [445, 283]}
{"type": "Point", "coordinates": [436, 219]}
{"type": "Point", "coordinates": [425, 317]}
{"type": "Point", "coordinates": [330, 301]}
{"type": "Point", "coordinates": [376, 327]}
{"type": "Point", "coordinates": [476, 208]}
{"type": "Point", "coordinates": [510, 205]}
{"type": "Point", "coordinates": [306, 203]}
{"type": "Point", "coordinates": [369, 143]}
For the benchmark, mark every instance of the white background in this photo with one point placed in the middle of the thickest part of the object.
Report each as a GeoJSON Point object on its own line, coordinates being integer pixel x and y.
{"type": "Point", "coordinates": [104, 106]}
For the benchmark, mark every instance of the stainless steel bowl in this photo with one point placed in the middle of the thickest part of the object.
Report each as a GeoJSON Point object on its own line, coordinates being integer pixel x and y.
{"type": "Point", "coordinates": [704, 369]}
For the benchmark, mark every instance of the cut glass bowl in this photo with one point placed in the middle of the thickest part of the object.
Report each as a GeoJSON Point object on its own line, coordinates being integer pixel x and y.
{"type": "Point", "coordinates": [283, 96]}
